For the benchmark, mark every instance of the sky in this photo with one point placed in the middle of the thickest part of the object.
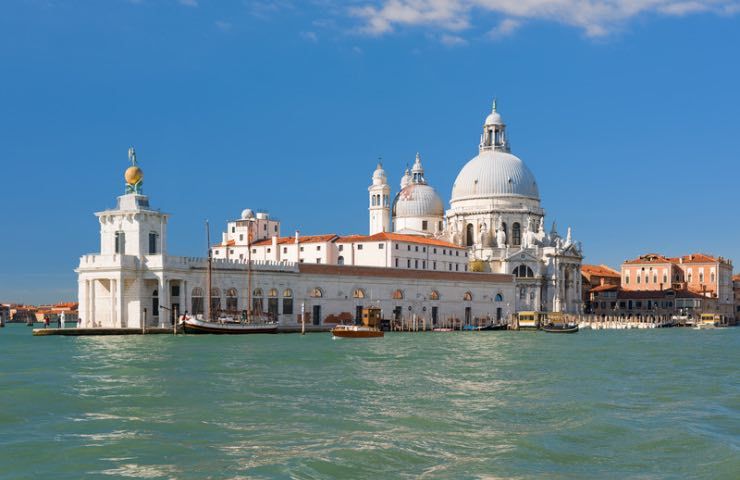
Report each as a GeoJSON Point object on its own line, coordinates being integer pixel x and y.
{"type": "Point", "coordinates": [625, 111]}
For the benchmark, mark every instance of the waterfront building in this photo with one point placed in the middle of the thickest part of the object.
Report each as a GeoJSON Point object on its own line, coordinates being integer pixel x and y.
{"type": "Point", "coordinates": [22, 313]}
{"type": "Point", "coordinates": [706, 275]}
{"type": "Point", "coordinates": [736, 292]}
{"type": "Point", "coordinates": [134, 280]}
{"type": "Point", "coordinates": [593, 276]}
{"type": "Point", "coordinates": [4, 313]}
{"type": "Point", "coordinates": [487, 256]}
{"type": "Point", "coordinates": [613, 301]}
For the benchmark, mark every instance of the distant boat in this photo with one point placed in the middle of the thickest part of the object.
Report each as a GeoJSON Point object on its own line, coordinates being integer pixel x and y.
{"type": "Point", "coordinates": [442, 329]}
{"type": "Point", "coordinates": [356, 331]}
{"type": "Point", "coordinates": [560, 328]}
{"type": "Point", "coordinates": [369, 329]}
{"type": "Point", "coordinates": [193, 325]}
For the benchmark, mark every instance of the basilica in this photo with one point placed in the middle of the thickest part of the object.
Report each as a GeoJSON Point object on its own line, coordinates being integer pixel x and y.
{"type": "Point", "coordinates": [495, 213]}
{"type": "Point", "coordinates": [482, 260]}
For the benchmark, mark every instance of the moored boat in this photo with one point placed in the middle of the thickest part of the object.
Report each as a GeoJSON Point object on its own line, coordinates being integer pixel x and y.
{"type": "Point", "coordinates": [194, 325]}
{"type": "Point", "coordinates": [560, 328]}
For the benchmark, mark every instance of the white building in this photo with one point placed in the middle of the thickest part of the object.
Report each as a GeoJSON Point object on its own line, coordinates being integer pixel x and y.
{"type": "Point", "coordinates": [495, 226]}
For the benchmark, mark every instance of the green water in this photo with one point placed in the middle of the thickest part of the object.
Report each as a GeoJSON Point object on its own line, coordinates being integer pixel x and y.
{"type": "Point", "coordinates": [608, 404]}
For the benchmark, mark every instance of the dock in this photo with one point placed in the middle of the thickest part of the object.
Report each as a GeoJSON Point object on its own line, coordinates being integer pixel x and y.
{"type": "Point", "coordinates": [80, 332]}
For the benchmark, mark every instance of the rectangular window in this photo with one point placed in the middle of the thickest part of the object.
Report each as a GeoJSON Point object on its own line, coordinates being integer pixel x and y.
{"type": "Point", "coordinates": [434, 265]}
{"type": "Point", "coordinates": [318, 248]}
{"type": "Point", "coordinates": [416, 248]}
{"type": "Point", "coordinates": [301, 249]}
{"type": "Point", "coordinates": [424, 225]}
{"type": "Point", "coordinates": [457, 253]}
{"type": "Point", "coordinates": [440, 226]}
{"type": "Point", "coordinates": [424, 249]}
{"type": "Point", "coordinates": [341, 248]}
{"type": "Point", "coordinates": [318, 260]}
{"type": "Point", "coordinates": [424, 264]}
{"type": "Point", "coordinates": [396, 262]}
{"type": "Point", "coordinates": [359, 247]}
{"type": "Point", "coordinates": [408, 263]}
{"type": "Point", "coordinates": [381, 246]}
{"type": "Point", "coordinates": [287, 306]}
{"type": "Point", "coordinates": [408, 247]}
{"type": "Point", "coordinates": [152, 243]}
{"type": "Point", "coordinates": [416, 264]}
{"type": "Point", "coordinates": [457, 267]}
{"type": "Point", "coordinates": [120, 243]}
{"type": "Point", "coordinates": [285, 249]}
{"type": "Point", "coordinates": [268, 250]}
{"type": "Point", "coordinates": [241, 237]}
{"type": "Point", "coordinates": [254, 250]}
{"type": "Point", "coordinates": [233, 229]}
{"type": "Point", "coordinates": [434, 251]}
{"type": "Point", "coordinates": [396, 246]}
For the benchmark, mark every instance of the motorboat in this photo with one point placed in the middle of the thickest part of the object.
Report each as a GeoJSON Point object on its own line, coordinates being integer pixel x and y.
{"type": "Point", "coordinates": [356, 331]}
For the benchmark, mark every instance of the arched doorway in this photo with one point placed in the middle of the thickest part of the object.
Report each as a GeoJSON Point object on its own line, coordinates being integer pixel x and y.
{"type": "Point", "coordinates": [469, 235]}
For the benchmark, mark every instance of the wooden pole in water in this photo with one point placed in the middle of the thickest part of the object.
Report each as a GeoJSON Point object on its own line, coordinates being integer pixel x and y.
{"type": "Point", "coordinates": [174, 322]}
{"type": "Point", "coordinates": [303, 318]}
{"type": "Point", "coordinates": [143, 324]}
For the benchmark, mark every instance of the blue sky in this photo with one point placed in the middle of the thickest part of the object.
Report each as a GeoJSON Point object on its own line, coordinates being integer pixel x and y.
{"type": "Point", "coordinates": [626, 112]}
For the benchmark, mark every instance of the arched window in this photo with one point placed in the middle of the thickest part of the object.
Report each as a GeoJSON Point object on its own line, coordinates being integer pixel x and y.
{"type": "Point", "coordinates": [215, 299]}
{"type": "Point", "coordinates": [711, 277]}
{"type": "Point", "coordinates": [701, 277]}
{"type": "Point", "coordinates": [120, 246]}
{"type": "Point", "coordinates": [468, 296]}
{"type": "Point", "coordinates": [287, 302]}
{"type": "Point", "coordinates": [516, 234]}
{"type": "Point", "coordinates": [257, 292]}
{"type": "Point", "coordinates": [231, 300]}
{"type": "Point", "coordinates": [499, 297]}
{"type": "Point", "coordinates": [690, 277]}
{"type": "Point", "coordinates": [272, 293]}
{"type": "Point", "coordinates": [317, 293]}
{"type": "Point", "coordinates": [196, 299]}
{"type": "Point", "coordinates": [434, 295]}
{"type": "Point", "coordinates": [469, 235]}
{"type": "Point", "coordinates": [523, 271]}
{"type": "Point", "coordinates": [358, 293]}
{"type": "Point", "coordinates": [398, 295]}
{"type": "Point", "coordinates": [340, 260]}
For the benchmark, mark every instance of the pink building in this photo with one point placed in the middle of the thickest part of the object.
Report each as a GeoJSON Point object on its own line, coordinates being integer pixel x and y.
{"type": "Point", "coordinates": [699, 273]}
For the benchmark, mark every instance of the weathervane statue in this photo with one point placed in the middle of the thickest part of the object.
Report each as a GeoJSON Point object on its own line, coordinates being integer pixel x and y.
{"type": "Point", "coordinates": [134, 176]}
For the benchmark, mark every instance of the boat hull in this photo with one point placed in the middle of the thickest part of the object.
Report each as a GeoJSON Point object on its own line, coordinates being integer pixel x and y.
{"type": "Point", "coordinates": [356, 333]}
{"type": "Point", "coordinates": [553, 329]}
{"type": "Point", "coordinates": [199, 327]}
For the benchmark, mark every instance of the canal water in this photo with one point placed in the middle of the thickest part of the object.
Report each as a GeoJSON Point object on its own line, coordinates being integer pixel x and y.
{"type": "Point", "coordinates": [489, 405]}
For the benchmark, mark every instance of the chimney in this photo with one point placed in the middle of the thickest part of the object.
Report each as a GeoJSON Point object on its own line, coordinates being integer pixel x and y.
{"type": "Point", "coordinates": [297, 236]}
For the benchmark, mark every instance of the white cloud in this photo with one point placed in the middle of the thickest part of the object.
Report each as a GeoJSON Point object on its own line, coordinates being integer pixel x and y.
{"type": "Point", "coordinates": [594, 17]}
{"type": "Point", "coordinates": [505, 28]}
{"type": "Point", "coordinates": [452, 40]}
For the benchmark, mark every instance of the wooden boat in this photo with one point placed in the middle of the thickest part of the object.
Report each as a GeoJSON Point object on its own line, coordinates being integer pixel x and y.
{"type": "Point", "coordinates": [560, 328]}
{"type": "Point", "coordinates": [356, 331]}
{"type": "Point", "coordinates": [193, 325]}
{"type": "Point", "coordinates": [442, 329]}
{"type": "Point", "coordinates": [369, 329]}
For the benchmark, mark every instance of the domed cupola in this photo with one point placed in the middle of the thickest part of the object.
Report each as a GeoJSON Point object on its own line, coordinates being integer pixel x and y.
{"type": "Point", "coordinates": [494, 172]}
{"type": "Point", "coordinates": [417, 208]}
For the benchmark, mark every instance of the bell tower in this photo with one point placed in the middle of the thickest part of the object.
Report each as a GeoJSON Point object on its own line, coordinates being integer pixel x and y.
{"type": "Point", "coordinates": [494, 132]}
{"type": "Point", "coordinates": [380, 202]}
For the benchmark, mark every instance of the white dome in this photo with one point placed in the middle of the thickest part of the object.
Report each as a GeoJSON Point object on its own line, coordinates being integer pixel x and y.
{"type": "Point", "coordinates": [494, 173]}
{"type": "Point", "coordinates": [494, 118]}
{"type": "Point", "coordinates": [417, 200]}
{"type": "Point", "coordinates": [247, 213]}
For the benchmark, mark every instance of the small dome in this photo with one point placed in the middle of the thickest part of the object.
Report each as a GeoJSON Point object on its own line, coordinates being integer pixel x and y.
{"type": "Point", "coordinates": [494, 173]}
{"type": "Point", "coordinates": [379, 177]}
{"type": "Point", "coordinates": [417, 200]}
{"type": "Point", "coordinates": [494, 118]}
{"type": "Point", "coordinates": [133, 175]}
{"type": "Point", "coordinates": [247, 213]}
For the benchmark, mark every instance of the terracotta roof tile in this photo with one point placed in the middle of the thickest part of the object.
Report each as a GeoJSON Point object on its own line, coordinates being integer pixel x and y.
{"type": "Point", "coordinates": [398, 237]}
{"type": "Point", "coordinates": [301, 239]}
{"type": "Point", "coordinates": [604, 288]}
{"type": "Point", "coordinates": [600, 271]}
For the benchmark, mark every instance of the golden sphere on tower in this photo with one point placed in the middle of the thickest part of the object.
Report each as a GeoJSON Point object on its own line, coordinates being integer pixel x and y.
{"type": "Point", "coordinates": [133, 175]}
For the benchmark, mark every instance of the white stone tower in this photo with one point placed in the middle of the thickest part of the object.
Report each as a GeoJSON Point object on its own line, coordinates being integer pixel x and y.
{"type": "Point", "coordinates": [380, 202]}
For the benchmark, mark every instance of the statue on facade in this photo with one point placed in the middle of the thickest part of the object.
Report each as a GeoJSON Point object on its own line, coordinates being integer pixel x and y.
{"type": "Point", "coordinates": [568, 239]}
{"type": "Point", "coordinates": [500, 234]}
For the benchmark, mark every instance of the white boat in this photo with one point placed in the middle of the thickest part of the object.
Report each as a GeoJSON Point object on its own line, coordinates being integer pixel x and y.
{"type": "Point", "coordinates": [195, 325]}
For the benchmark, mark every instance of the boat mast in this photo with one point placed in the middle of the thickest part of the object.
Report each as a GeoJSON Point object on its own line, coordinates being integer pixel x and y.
{"type": "Point", "coordinates": [208, 273]}
{"type": "Point", "coordinates": [249, 270]}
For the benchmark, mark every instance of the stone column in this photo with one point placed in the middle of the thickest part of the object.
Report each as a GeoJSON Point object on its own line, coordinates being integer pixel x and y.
{"type": "Point", "coordinates": [112, 309]}
{"type": "Point", "coordinates": [120, 314]}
